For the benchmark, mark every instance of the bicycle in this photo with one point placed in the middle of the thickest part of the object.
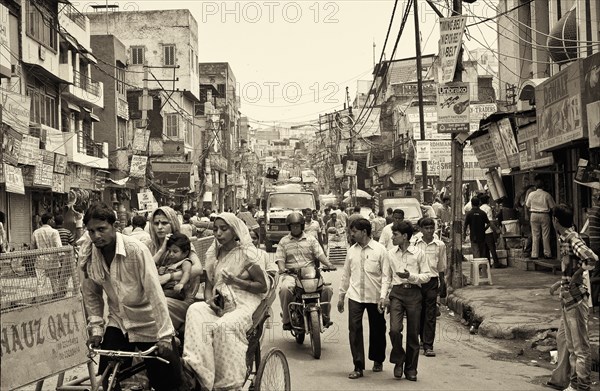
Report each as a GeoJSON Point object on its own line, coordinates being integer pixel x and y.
{"type": "Point", "coordinates": [114, 374]}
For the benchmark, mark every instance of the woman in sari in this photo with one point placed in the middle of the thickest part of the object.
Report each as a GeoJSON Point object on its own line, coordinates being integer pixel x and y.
{"type": "Point", "coordinates": [164, 222]}
{"type": "Point", "coordinates": [215, 333]}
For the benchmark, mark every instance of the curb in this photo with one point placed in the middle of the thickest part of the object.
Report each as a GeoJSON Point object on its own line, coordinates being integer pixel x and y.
{"type": "Point", "coordinates": [464, 309]}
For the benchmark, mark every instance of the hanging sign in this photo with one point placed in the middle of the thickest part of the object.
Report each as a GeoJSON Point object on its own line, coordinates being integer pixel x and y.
{"type": "Point", "coordinates": [11, 145]}
{"type": "Point", "coordinates": [15, 107]}
{"type": "Point", "coordinates": [453, 108]}
{"type": "Point", "coordinates": [30, 151]}
{"type": "Point", "coordinates": [423, 151]}
{"type": "Point", "coordinates": [58, 183]}
{"type": "Point", "coordinates": [484, 151]}
{"type": "Point", "coordinates": [43, 175]}
{"type": "Point", "coordinates": [13, 177]}
{"type": "Point", "coordinates": [140, 140]}
{"type": "Point", "coordinates": [451, 33]}
{"type": "Point", "coordinates": [138, 166]}
{"type": "Point", "coordinates": [351, 166]}
{"type": "Point", "coordinates": [60, 163]}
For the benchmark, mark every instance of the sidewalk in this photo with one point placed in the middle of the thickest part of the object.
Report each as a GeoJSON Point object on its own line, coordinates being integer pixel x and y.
{"type": "Point", "coordinates": [517, 306]}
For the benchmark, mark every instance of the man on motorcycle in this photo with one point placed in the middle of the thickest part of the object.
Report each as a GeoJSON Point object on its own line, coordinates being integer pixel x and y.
{"type": "Point", "coordinates": [294, 251]}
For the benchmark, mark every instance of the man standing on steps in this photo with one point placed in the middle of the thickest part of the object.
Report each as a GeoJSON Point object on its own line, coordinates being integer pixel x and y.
{"type": "Point", "coordinates": [361, 282]}
{"type": "Point", "coordinates": [540, 204]}
{"type": "Point", "coordinates": [404, 272]}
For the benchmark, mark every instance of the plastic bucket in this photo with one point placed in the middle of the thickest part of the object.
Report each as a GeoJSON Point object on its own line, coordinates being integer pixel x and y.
{"type": "Point", "coordinates": [511, 226]}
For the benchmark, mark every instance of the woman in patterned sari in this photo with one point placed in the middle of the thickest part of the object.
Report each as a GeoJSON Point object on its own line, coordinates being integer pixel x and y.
{"type": "Point", "coordinates": [215, 333]}
{"type": "Point", "coordinates": [163, 222]}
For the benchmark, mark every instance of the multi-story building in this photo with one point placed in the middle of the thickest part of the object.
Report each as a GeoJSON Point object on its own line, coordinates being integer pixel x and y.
{"type": "Point", "coordinates": [218, 86]}
{"type": "Point", "coordinates": [48, 100]}
{"type": "Point", "coordinates": [161, 83]}
{"type": "Point", "coordinates": [548, 55]}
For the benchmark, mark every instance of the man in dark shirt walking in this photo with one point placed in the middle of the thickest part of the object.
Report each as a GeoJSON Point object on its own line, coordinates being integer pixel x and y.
{"type": "Point", "coordinates": [477, 222]}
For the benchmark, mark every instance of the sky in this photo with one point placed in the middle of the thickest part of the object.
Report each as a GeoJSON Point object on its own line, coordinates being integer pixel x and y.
{"type": "Point", "coordinates": [294, 59]}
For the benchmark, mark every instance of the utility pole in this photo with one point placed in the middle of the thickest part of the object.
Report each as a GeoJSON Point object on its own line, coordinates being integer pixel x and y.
{"type": "Point", "coordinates": [351, 178]}
{"type": "Point", "coordinates": [457, 175]}
{"type": "Point", "coordinates": [420, 88]}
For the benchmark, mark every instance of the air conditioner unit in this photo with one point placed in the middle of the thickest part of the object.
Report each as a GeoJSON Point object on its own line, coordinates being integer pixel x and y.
{"type": "Point", "coordinates": [15, 70]}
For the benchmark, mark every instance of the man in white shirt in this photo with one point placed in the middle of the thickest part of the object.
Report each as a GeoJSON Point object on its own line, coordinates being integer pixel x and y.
{"type": "Point", "coordinates": [43, 238]}
{"type": "Point", "coordinates": [404, 271]}
{"type": "Point", "coordinates": [312, 227]}
{"type": "Point", "coordinates": [386, 233]}
{"type": "Point", "coordinates": [435, 254]}
{"type": "Point", "coordinates": [540, 203]}
{"type": "Point", "coordinates": [361, 282]}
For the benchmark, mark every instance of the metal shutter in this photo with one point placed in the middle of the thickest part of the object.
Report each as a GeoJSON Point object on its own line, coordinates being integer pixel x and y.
{"type": "Point", "coordinates": [19, 218]}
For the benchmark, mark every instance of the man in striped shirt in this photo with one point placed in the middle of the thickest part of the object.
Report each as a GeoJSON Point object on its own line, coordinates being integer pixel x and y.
{"type": "Point", "coordinates": [66, 265]}
{"type": "Point", "coordinates": [361, 282]}
{"type": "Point", "coordinates": [576, 257]}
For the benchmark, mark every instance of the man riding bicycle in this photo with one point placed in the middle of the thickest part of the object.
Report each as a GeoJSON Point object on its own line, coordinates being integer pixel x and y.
{"type": "Point", "coordinates": [138, 316]}
{"type": "Point", "coordinates": [294, 251]}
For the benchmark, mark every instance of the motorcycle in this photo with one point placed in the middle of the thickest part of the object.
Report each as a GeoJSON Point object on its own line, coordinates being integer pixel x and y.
{"type": "Point", "coordinates": [306, 311]}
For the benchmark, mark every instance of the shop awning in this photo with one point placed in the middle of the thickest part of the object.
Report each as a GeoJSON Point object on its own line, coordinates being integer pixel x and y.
{"type": "Point", "coordinates": [73, 107]}
{"type": "Point", "coordinates": [94, 117]}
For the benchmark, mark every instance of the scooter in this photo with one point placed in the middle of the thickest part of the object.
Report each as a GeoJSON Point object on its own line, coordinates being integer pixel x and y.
{"type": "Point", "coordinates": [306, 313]}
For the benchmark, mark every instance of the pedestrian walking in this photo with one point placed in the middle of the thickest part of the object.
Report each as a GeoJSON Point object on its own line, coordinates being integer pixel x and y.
{"type": "Point", "coordinates": [377, 225]}
{"type": "Point", "coordinates": [435, 254]}
{"type": "Point", "coordinates": [477, 222]}
{"type": "Point", "coordinates": [47, 237]}
{"type": "Point", "coordinates": [361, 283]}
{"type": "Point", "coordinates": [386, 232]}
{"type": "Point", "coordinates": [540, 203]}
{"type": "Point", "coordinates": [491, 234]}
{"type": "Point", "coordinates": [404, 272]}
{"type": "Point", "coordinates": [576, 258]}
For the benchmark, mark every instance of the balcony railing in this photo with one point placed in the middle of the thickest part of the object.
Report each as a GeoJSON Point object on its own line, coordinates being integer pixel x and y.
{"type": "Point", "coordinates": [93, 149]}
{"type": "Point", "coordinates": [85, 83]}
{"type": "Point", "coordinates": [72, 13]}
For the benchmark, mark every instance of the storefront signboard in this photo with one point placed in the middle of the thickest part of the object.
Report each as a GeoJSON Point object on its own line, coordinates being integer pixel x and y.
{"type": "Point", "coordinates": [58, 183]}
{"type": "Point", "coordinates": [11, 145]}
{"type": "Point", "coordinates": [28, 175]}
{"type": "Point", "coordinates": [43, 175]}
{"type": "Point", "coordinates": [13, 178]}
{"type": "Point", "coordinates": [591, 97]}
{"type": "Point", "coordinates": [431, 132]}
{"type": "Point", "coordinates": [451, 34]}
{"type": "Point", "coordinates": [453, 108]}
{"type": "Point", "coordinates": [505, 145]}
{"type": "Point", "coordinates": [558, 107]}
{"type": "Point", "coordinates": [30, 151]}
{"type": "Point", "coordinates": [484, 151]}
{"type": "Point", "coordinates": [433, 168]}
{"type": "Point", "coordinates": [471, 169]}
{"type": "Point", "coordinates": [529, 154]}
{"type": "Point", "coordinates": [479, 111]}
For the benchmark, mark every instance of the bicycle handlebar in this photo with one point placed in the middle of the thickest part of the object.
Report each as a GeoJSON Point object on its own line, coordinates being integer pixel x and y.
{"type": "Point", "coordinates": [121, 353]}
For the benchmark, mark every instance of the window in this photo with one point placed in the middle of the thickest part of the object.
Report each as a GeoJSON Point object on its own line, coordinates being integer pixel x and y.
{"type": "Point", "coordinates": [172, 125]}
{"type": "Point", "coordinates": [121, 133]}
{"type": "Point", "coordinates": [221, 89]}
{"type": "Point", "coordinates": [169, 55]}
{"type": "Point", "coordinates": [137, 55]}
{"type": "Point", "coordinates": [41, 26]}
{"type": "Point", "coordinates": [120, 71]}
{"type": "Point", "coordinates": [44, 109]}
{"type": "Point", "coordinates": [188, 131]}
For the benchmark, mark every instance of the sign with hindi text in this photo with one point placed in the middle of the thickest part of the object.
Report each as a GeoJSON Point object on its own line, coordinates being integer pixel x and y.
{"type": "Point", "coordinates": [13, 177]}
{"type": "Point", "coordinates": [138, 166]}
{"type": "Point", "coordinates": [451, 34]}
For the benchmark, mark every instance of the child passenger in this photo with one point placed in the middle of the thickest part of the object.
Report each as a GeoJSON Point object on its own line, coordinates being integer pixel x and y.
{"type": "Point", "coordinates": [178, 246]}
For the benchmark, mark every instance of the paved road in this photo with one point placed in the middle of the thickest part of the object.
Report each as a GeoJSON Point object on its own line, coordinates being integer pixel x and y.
{"type": "Point", "coordinates": [463, 361]}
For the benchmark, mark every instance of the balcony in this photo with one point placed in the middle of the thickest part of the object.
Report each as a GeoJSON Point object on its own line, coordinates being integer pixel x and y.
{"type": "Point", "coordinates": [89, 154]}
{"type": "Point", "coordinates": [81, 89]}
{"type": "Point", "coordinates": [75, 23]}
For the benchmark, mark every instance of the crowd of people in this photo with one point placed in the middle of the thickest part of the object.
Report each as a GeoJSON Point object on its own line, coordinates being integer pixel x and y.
{"type": "Point", "coordinates": [150, 274]}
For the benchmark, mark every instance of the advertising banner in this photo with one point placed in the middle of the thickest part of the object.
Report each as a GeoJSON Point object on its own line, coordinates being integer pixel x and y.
{"type": "Point", "coordinates": [423, 151]}
{"type": "Point", "coordinates": [5, 54]}
{"type": "Point", "coordinates": [453, 108]}
{"type": "Point", "coordinates": [15, 110]}
{"type": "Point", "coordinates": [471, 169]}
{"type": "Point", "coordinates": [591, 97]}
{"type": "Point", "coordinates": [558, 108]}
{"type": "Point", "coordinates": [479, 111]}
{"type": "Point", "coordinates": [55, 141]}
{"type": "Point", "coordinates": [13, 177]}
{"type": "Point", "coordinates": [484, 151]}
{"type": "Point", "coordinates": [140, 140]}
{"type": "Point", "coordinates": [338, 170]}
{"type": "Point", "coordinates": [506, 135]}
{"type": "Point", "coordinates": [138, 166]}
{"type": "Point", "coordinates": [529, 154]}
{"type": "Point", "coordinates": [43, 175]}
{"type": "Point", "coordinates": [60, 163]}
{"type": "Point", "coordinates": [451, 33]}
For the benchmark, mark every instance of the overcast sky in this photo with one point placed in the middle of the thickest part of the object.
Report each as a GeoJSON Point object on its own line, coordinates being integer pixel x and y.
{"type": "Point", "coordinates": [294, 59]}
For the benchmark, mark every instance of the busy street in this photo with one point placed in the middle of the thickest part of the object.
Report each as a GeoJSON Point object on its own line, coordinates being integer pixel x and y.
{"type": "Point", "coordinates": [292, 195]}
